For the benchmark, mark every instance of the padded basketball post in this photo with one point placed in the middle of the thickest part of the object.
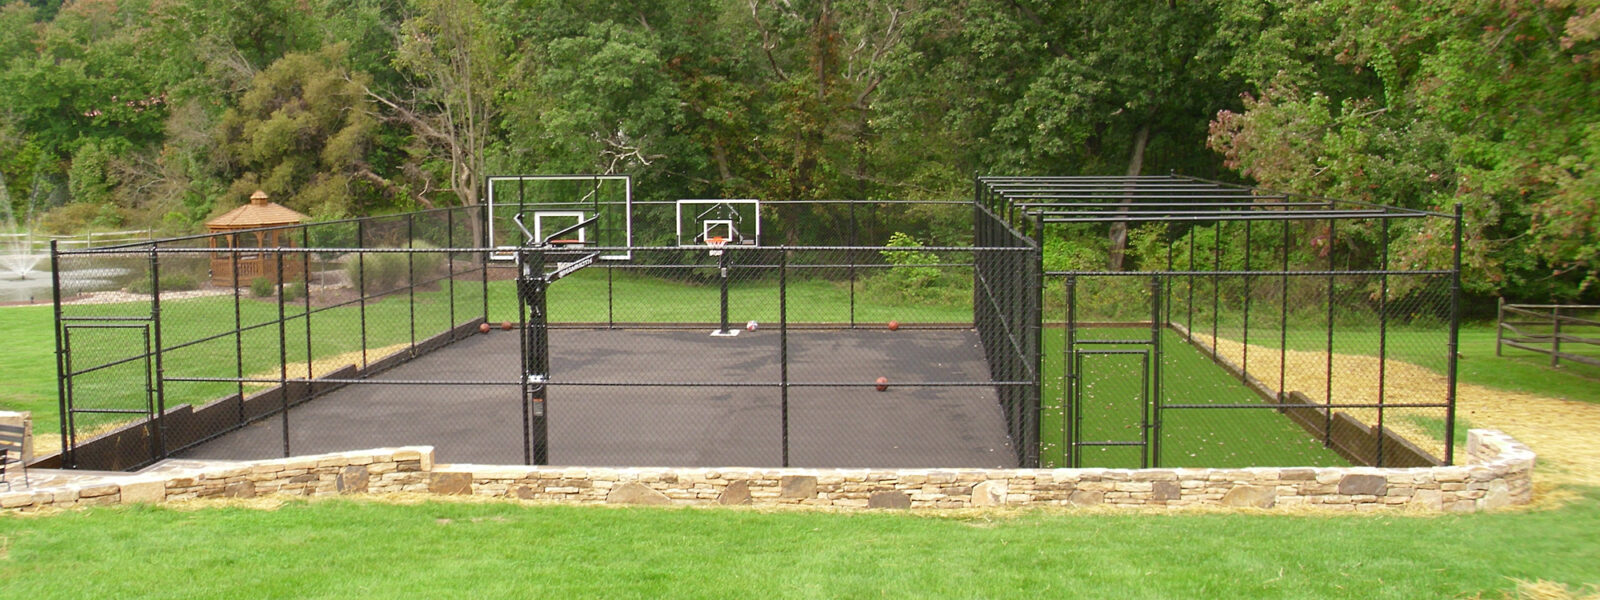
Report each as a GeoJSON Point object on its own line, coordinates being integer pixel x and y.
{"type": "Point", "coordinates": [533, 286]}
{"type": "Point", "coordinates": [724, 331]}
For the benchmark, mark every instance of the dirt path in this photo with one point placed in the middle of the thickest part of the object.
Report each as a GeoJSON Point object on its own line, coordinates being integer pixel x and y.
{"type": "Point", "coordinates": [1565, 434]}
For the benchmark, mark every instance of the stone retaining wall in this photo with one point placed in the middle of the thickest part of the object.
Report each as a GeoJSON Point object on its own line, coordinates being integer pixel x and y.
{"type": "Point", "coordinates": [1498, 473]}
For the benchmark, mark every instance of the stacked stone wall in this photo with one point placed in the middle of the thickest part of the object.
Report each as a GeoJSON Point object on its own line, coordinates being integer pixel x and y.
{"type": "Point", "coordinates": [1498, 473]}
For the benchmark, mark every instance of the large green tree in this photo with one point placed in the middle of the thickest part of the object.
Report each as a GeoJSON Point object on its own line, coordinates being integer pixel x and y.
{"type": "Point", "coordinates": [1492, 105]}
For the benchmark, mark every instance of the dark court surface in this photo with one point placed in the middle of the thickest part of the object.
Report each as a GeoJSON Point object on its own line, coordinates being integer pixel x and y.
{"type": "Point", "coordinates": [735, 419]}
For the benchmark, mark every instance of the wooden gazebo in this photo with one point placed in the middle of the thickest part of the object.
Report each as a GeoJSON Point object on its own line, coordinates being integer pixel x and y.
{"type": "Point", "coordinates": [249, 226]}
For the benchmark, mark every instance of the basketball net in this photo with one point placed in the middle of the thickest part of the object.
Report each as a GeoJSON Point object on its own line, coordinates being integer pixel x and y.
{"type": "Point", "coordinates": [715, 244]}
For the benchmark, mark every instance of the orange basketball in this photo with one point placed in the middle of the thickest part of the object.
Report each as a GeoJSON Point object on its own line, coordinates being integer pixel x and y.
{"type": "Point", "coordinates": [883, 384]}
{"type": "Point", "coordinates": [506, 325]}
{"type": "Point", "coordinates": [894, 325]}
{"type": "Point", "coordinates": [483, 328]}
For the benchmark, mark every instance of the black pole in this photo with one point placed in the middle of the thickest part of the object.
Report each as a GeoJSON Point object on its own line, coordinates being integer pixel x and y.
{"type": "Point", "coordinates": [850, 260]}
{"type": "Point", "coordinates": [1216, 292]}
{"type": "Point", "coordinates": [783, 348]}
{"type": "Point", "coordinates": [67, 457]}
{"type": "Point", "coordinates": [1033, 320]}
{"type": "Point", "coordinates": [411, 280]}
{"type": "Point", "coordinates": [283, 357]}
{"type": "Point", "coordinates": [1244, 346]}
{"type": "Point", "coordinates": [1454, 347]}
{"type": "Point", "coordinates": [238, 328]}
{"type": "Point", "coordinates": [524, 398]}
{"type": "Point", "coordinates": [1154, 440]}
{"type": "Point", "coordinates": [450, 265]}
{"type": "Point", "coordinates": [1188, 325]}
{"type": "Point", "coordinates": [305, 280]}
{"type": "Point", "coordinates": [722, 267]}
{"type": "Point", "coordinates": [533, 285]}
{"type": "Point", "coordinates": [158, 443]}
{"type": "Point", "coordinates": [1070, 356]}
{"type": "Point", "coordinates": [361, 287]}
{"type": "Point", "coordinates": [1327, 411]}
{"type": "Point", "coordinates": [1283, 320]}
{"type": "Point", "coordinates": [1383, 335]}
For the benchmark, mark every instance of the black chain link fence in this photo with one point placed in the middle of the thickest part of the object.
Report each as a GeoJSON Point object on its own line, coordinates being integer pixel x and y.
{"type": "Point", "coordinates": [1260, 355]}
{"type": "Point", "coordinates": [400, 330]}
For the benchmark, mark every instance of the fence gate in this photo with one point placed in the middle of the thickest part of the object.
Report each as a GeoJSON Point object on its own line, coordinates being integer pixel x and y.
{"type": "Point", "coordinates": [100, 360]}
{"type": "Point", "coordinates": [1113, 371]}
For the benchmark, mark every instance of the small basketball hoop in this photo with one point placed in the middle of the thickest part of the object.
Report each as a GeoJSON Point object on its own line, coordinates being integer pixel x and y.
{"type": "Point", "coordinates": [715, 244]}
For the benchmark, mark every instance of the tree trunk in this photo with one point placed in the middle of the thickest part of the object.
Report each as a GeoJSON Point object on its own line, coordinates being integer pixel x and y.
{"type": "Point", "coordinates": [1119, 229]}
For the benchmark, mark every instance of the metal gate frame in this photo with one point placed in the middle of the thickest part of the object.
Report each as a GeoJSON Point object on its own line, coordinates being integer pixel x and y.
{"type": "Point", "coordinates": [1075, 350]}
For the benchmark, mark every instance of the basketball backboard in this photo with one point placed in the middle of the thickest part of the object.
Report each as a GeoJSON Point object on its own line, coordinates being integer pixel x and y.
{"type": "Point", "coordinates": [736, 221]}
{"type": "Point", "coordinates": [550, 203]}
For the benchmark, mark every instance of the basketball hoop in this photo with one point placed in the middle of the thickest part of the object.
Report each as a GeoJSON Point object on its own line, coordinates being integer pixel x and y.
{"type": "Point", "coordinates": [715, 244]}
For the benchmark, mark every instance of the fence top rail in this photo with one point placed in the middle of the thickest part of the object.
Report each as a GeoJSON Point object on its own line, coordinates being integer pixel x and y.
{"type": "Point", "coordinates": [147, 250]}
{"type": "Point", "coordinates": [1560, 306]}
{"type": "Point", "coordinates": [1012, 189]}
{"type": "Point", "coordinates": [1262, 273]}
{"type": "Point", "coordinates": [1277, 215]}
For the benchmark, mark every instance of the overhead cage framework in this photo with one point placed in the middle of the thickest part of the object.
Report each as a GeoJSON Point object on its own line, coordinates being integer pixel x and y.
{"type": "Point", "coordinates": [1244, 326]}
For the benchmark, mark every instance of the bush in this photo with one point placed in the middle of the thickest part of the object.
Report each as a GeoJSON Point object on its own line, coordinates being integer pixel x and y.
{"type": "Point", "coordinates": [261, 287]}
{"type": "Point", "coordinates": [915, 278]}
{"type": "Point", "coordinates": [387, 270]}
{"type": "Point", "coordinates": [170, 282]}
{"type": "Point", "coordinates": [294, 291]}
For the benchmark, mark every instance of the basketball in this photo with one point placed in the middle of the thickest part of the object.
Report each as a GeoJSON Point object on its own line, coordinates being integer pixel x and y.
{"type": "Point", "coordinates": [751, 326]}
{"type": "Point", "coordinates": [483, 328]}
{"type": "Point", "coordinates": [883, 384]}
{"type": "Point", "coordinates": [894, 325]}
{"type": "Point", "coordinates": [506, 325]}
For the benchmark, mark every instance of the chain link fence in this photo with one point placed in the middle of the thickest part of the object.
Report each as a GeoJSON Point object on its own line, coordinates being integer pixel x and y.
{"type": "Point", "coordinates": [398, 330]}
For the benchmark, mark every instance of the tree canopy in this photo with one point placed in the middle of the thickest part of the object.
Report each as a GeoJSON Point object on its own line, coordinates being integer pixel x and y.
{"type": "Point", "coordinates": [162, 113]}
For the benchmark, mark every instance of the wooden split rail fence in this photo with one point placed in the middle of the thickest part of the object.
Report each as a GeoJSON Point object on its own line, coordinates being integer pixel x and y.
{"type": "Point", "coordinates": [1553, 329]}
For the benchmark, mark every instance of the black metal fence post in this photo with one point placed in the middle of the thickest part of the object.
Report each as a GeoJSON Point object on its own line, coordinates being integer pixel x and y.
{"type": "Point", "coordinates": [158, 431]}
{"type": "Point", "coordinates": [61, 352]}
{"type": "Point", "coordinates": [361, 288]}
{"type": "Point", "coordinates": [238, 328]}
{"type": "Point", "coordinates": [1155, 408]}
{"type": "Point", "coordinates": [783, 347]}
{"type": "Point", "coordinates": [1383, 334]}
{"type": "Point", "coordinates": [283, 355]}
{"type": "Point", "coordinates": [1455, 342]}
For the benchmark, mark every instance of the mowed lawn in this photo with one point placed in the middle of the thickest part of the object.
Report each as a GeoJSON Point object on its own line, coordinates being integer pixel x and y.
{"type": "Point", "coordinates": [1113, 394]}
{"type": "Point", "coordinates": [341, 548]}
{"type": "Point", "coordinates": [367, 549]}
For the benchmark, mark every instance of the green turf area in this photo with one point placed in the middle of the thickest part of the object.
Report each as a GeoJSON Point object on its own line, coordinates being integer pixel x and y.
{"type": "Point", "coordinates": [339, 548]}
{"type": "Point", "coordinates": [1112, 387]}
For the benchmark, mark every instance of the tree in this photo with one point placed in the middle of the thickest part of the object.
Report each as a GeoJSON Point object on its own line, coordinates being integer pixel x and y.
{"type": "Point", "coordinates": [455, 66]}
{"type": "Point", "coordinates": [1488, 104]}
{"type": "Point", "coordinates": [301, 133]}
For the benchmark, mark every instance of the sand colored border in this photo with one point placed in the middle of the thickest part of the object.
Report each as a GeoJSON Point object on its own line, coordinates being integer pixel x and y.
{"type": "Point", "coordinates": [1497, 474]}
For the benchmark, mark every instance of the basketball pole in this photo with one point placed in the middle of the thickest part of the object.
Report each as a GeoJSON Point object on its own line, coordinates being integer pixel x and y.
{"type": "Point", "coordinates": [532, 286]}
{"type": "Point", "coordinates": [722, 265]}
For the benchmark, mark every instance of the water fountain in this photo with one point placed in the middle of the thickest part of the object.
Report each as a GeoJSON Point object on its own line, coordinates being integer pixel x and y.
{"type": "Point", "coordinates": [19, 259]}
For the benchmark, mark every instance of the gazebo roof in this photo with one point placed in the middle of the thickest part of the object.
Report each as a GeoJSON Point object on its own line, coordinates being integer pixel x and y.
{"type": "Point", "coordinates": [258, 213]}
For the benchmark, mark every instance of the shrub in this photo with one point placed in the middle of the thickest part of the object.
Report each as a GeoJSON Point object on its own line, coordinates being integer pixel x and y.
{"type": "Point", "coordinates": [170, 282]}
{"type": "Point", "coordinates": [387, 270]}
{"type": "Point", "coordinates": [294, 291]}
{"type": "Point", "coordinates": [915, 278]}
{"type": "Point", "coordinates": [261, 287]}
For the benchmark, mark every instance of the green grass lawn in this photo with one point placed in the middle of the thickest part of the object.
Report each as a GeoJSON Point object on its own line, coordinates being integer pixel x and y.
{"type": "Point", "coordinates": [359, 549]}
{"type": "Point", "coordinates": [341, 548]}
{"type": "Point", "coordinates": [1230, 437]}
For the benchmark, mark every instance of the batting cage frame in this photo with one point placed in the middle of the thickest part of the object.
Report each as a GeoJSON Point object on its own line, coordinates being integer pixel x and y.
{"type": "Point", "coordinates": [1244, 327]}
